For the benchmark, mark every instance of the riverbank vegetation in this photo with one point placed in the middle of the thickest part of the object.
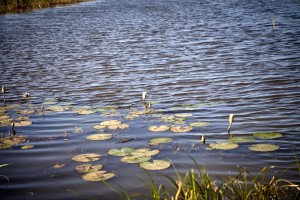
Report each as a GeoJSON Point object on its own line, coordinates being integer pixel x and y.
{"type": "Point", "coordinates": [7, 6]}
{"type": "Point", "coordinates": [197, 184]}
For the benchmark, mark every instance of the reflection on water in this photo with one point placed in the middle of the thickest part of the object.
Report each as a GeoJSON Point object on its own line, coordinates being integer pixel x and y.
{"type": "Point", "coordinates": [224, 57]}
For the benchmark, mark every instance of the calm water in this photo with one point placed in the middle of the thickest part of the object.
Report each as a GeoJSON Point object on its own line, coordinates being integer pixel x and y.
{"type": "Point", "coordinates": [221, 57]}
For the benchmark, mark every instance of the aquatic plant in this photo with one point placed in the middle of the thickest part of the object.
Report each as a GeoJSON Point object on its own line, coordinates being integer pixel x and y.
{"type": "Point", "coordinates": [181, 129]}
{"type": "Point", "coordinates": [125, 151]}
{"type": "Point", "coordinates": [241, 139]}
{"type": "Point", "coordinates": [87, 157]}
{"type": "Point", "coordinates": [157, 141]}
{"type": "Point", "coordinates": [97, 176]}
{"type": "Point", "coordinates": [27, 147]}
{"type": "Point", "coordinates": [158, 128]}
{"type": "Point", "coordinates": [263, 147]}
{"type": "Point", "coordinates": [267, 135]}
{"type": "Point", "coordinates": [224, 145]}
{"type": "Point", "coordinates": [155, 165]}
{"type": "Point", "coordinates": [231, 119]}
{"type": "Point", "coordinates": [135, 159]}
{"type": "Point", "coordinates": [86, 168]}
{"type": "Point", "coordinates": [8, 142]}
{"type": "Point", "coordinates": [99, 136]}
{"type": "Point", "coordinates": [58, 166]}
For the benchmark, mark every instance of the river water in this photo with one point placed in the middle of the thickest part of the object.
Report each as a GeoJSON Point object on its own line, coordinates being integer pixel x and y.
{"type": "Point", "coordinates": [217, 57]}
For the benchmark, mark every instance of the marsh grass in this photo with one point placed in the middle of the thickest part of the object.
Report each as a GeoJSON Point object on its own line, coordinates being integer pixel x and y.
{"type": "Point", "coordinates": [197, 184]}
{"type": "Point", "coordinates": [26, 5]}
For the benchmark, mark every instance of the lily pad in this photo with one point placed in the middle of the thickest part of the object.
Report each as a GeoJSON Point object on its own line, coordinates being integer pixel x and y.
{"type": "Point", "coordinates": [168, 118]}
{"type": "Point", "coordinates": [23, 123]}
{"type": "Point", "coordinates": [155, 165]}
{"type": "Point", "coordinates": [118, 126]}
{"type": "Point", "coordinates": [135, 159]}
{"type": "Point", "coordinates": [86, 168]}
{"type": "Point", "coordinates": [87, 157]}
{"type": "Point", "coordinates": [181, 129]}
{"type": "Point", "coordinates": [199, 124]}
{"type": "Point", "coordinates": [56, 108]}
{"type": "Point", "coordinates": [8, 142]}
{"type": "Point", "coordinates": [156, 141]}
{"type": "Point", "coordinates": [78, 130]}
{"type": "Point", "coordinates": [110, 122]}
{"type": "Point", "coordinates": [144, 152]}
{"type": "Point", "coordinates": [224, 145]}
{"type": "Point", "coordinates": [158, 128]}
{"type": "Point", "coordinates": [4, 117]}
{"type": "Point", "coordinates": [27, 112]}
{"type": "Point", "coordinates": [99, 127]}
{"type": "Point", "coordinates": [58, 166]}
{"type": "Point", "coordinates": [183, 115]}
{"type": "Point", "coordinates": [27, 147]}
{"type": "Point", "coordinates": [267, 135]}
{"type": "Point", "coordinates": [5, 122]}
{"type": "Point", "coordinates": [100, 136]}
{"type": "Point", "coordinates": [263, 147]}
{"type": "Point", "coordinates": [84, 111]}
{"type": "Point", "coordinates": [125, 151]}
{"type": "Point", "coordinates": [242, 139]}
{"type": "Point", "coordinates": [97, 176]}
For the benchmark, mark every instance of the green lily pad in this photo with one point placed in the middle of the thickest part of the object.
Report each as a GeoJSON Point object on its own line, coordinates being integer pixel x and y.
{"type": "Point", "coordinates": [199, 124]}
{"type": "Point", "coordinates": [99, 127]}
{"type": "Point", "coordinates": [100, 136]}
{"type": "Point", "coordinates": [86, 168]}
{"type": "Point", "coordinates": [242, 139]}
{"type": "Point", "coordinates": [8, 142]}
{"type": "Point", "coordinates": [135, 159]}
{"type": "Point", "coordinates": [155, 165]}
{"type": "Point", "coordinates": [27, 112]}
{"type": "Point", "coordinates": [224, 145]}
{"type": "Point", "coordinates": [87, 157]}
{"type": "Point", "coordinates": [263, 147]}
{"type": "Point", "coordinates": [144, 152]}
{"type": "Point", "coordinates": [158, 128]}
{"type": "Point", "coordinates": [84, 111]}
{"type": "Point", "coordinates": [181, 129]}
{"type": "Point", "coordinates": [168, 118]}
{"type": "Point", "coordinates": [125, 151]}
{"type": "Point", "coordinates": [97, 176]}
{"type": "Point", "coordinates": [267, 135]}
{"type": "Point", "coordinates": [156, 141]}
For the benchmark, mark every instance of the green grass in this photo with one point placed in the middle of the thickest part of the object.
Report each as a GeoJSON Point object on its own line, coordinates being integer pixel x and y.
{"type": "Point", "coordinates": [26, 5]}
{"type": "Point", "coordinates": [197, 184]}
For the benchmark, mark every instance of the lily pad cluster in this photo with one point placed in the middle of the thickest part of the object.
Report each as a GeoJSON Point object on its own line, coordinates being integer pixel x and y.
{"type": "Point", "coordinates": [111, 124]}
{"type": "Point", "coordinates": [91, 172]}
{"type": "Point", "coordinates": [142, 155]}
{"type": "Point", "coordinates": [8, 142]}
{"type": "Point", "coordinates": [234, 140]}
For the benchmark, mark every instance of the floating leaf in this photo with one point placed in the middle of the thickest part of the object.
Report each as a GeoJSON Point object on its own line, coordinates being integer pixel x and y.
{"type": "Point", "coordinates": [135, 159]}
{"type": "Point", "coordinates": [87, 157]}
{"type": "Point", "coordinates": [110, 123]}
{"type": "Point", "coordinates": [116, 126]}
{"type": "Point", "coordinates": [58, 166]}
{"type": "Point", "coordinates": [168, 118]}
{"type": "Point", "coordinates": [242, 139]}
{"type": "Point", "coordinates": [100, 136]}
{"type": "Point", "coordinates": [4, 117]}
{"type": "Point", "coordinates": [56, 108]}
{"type": "Point", "coordinates": [267, 135]}
{"type": "Point", "coordinates": [86, 168]}
{"type": "Point", "coordinates": [27, 147]}
{"type": "Point", "coordinates": [199, 124]}
{"type": "Point", "coordinates": [224, 146]}
{"type": "Point", "coordinates": [158, 128]}
{"type": "Point", "coordinates": [8, 142]}
{"type": "Point", "coordinates": [263, 147]}
{"type": "Point", "coordinates": [183, 115]}
{"type": "Point", "coordinates": [84, 111]}
{"type": "Point", "coordinates": [23, 123]}
{"type": "Point", "coordinates": [156, 141]}
{"type": "Point", "coordinates": [155, 165]}
{"type": "Point", "coordinates": [27, 112]}
{"type": "Point", "coordinates": [181, 129]}
{"type": "Point", "coordinates": [122, 152]}
{"type": "Point", "coordinates": [97, 176]}
{"type": "Point", "coordinates": [144, 152]}
{"type": "Point", "coordinates": [99, 127]}
{"type": "Point", "coordinates": [5, 122]}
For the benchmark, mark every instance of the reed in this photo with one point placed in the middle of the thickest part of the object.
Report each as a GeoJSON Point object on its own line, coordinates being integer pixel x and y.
{"type": "Point", "coordinates": [26, 5]}
{"type": "Point", "coordinates": [197, 184]}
